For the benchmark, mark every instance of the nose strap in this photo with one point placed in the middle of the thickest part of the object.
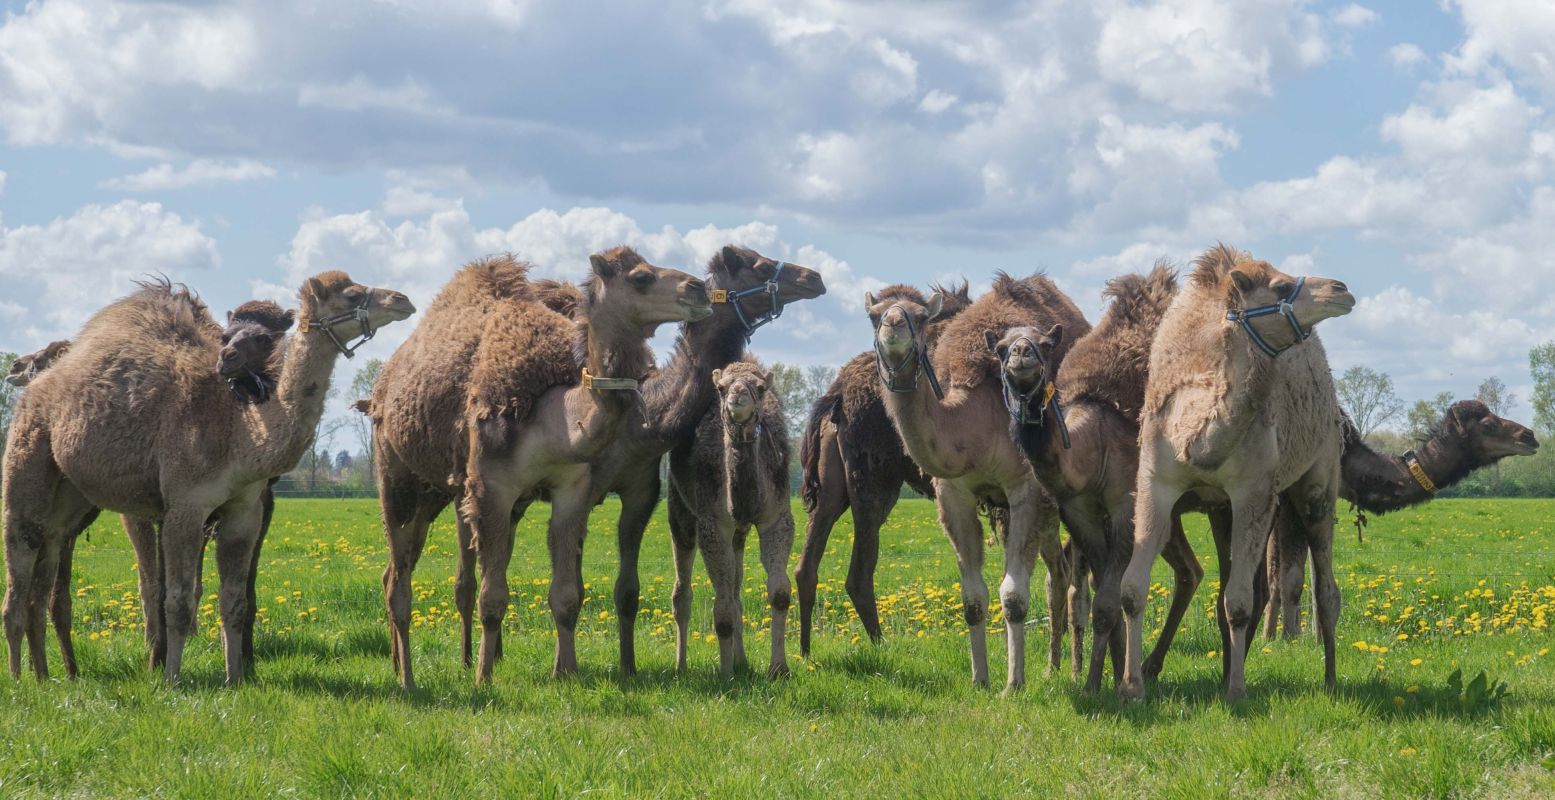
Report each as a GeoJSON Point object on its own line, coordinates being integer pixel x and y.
{"type": "Point", "coordinates": [888, 371]}
{"type": "Point", "coordinates": [1019, 404]}
{"type": "Point", "coordinates": [1286, 308]}
{"type": "Point", "coordinates": [769, 288]}
{"type": "Point", "coordinates": [359, 314]}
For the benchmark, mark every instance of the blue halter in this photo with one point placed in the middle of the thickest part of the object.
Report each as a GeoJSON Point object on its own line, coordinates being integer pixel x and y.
{"type": "Point", "coordinates": [1286, 308]}
{"type": "Point", "coordinates": [770, 289]}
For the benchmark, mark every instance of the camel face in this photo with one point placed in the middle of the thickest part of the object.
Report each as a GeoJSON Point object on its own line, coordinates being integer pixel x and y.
{"type": "Point", "coordinates": [1290, 306]}
{"type": "Point", "coordinates": [749, 269]}
{"type": "Point", "coordinates": [629, 288]}
{"type": "Point", "coordinates": [27, 367]}
{"type": "Point", "coordinates": [246, 346]}
{"type": "Point", "coordinates": [1027, 355]}
{"type": "Point", "coordinates": [741, 388]}
{"type": "Point", "coordinates": [1490, 437]}
{"type": "Point", "coordinates": [900, 324]}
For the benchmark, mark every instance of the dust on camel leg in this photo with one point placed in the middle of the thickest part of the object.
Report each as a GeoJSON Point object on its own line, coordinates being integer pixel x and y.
{"type": "Point", "coordinates": [683, 540]}
{"type": "Point", "coordinates": [1252, 513]}
{"type": "Point", "coordinates": [637, 506]}
{"type": "Point", "coordinates": [776, 537]}
{"type": "Point", "coordinates": [958, 516]}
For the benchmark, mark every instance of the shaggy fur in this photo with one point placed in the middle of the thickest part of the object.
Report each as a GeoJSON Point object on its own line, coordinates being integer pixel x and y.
{"type": "Point", "coordinates": [1112, 363]}
{"type": "Point", "coordinates": [526, 349]}
{"type": "Point", "coordinates": [962, 356]}
{"type": "Point", "coordinates": [563, 297]}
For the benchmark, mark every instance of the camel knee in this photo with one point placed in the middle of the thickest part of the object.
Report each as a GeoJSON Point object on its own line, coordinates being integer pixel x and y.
{"type": "Point", "coordinates": [1239, 610]}
{"type": "Point", "coordinates": [1132, 599]}
{"type": "Point", "coordinates": [975, 611]}
{"type": "Point", "coordinates": [627, 598]}
{"type": "Point", "coordinates": [179, 605]}
{"type": "Point", "coordinates": [726, 616]}
{"type": "Point", "coordinates": [779, 599]}
{"type": "Point", "coordinates": [1016, 606]}
{"type": "Point", "coordinates": [565, 607]}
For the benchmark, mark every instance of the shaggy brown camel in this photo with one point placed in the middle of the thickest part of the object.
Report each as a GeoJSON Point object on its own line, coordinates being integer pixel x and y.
{"type": "Point", "coordinates": [1239, 408]}
{"type": "Point", "coordinates": [1467, 438]}
{"type": "Point", "coordinates": [27, 367]}
{"type": "Point", "coordinates": [734, 476]}
{"type": "Point", "coordinates": [852, 458]}
{"type": "Point", "coordinates": [521, 420]}
{"type": "Point", "coordinates": [962, 439]}
{"type": "Point", "coordinates": [1078, 427]}
{"type": "Point", "coordinates": [132, 419]}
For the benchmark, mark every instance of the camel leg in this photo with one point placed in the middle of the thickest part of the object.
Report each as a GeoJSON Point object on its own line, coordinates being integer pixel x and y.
{"type": "Point", "coordinates": [1186, 577]}
{"type": "Point", "coordinates": [869, 515]}
{"type": "Point", "coordinates": [720, 557]}
{"type": "Point", "coordinates": [1079, 604]}
{"type": "Point", "coordinates": [181, 541]}
{"type": "Point", "coordinates": [1033, 531]}
{"type": "Point", "coordinates": [251, 608]}
{"type": "Point", "coordinates": [830, 503]}
{"type": "Point", "coordinates": [1153, 516]}
{"type": "Point", "coordinates": [61, 599]}
{"type": "Point", "coordinates": [1292, 540]}
{"type": "Point", "coordinates": [777, 542]}
{"type": "Point", "coordinates": [1320, 533]}
{"type": "Point", "coordinates": [958, 516]}
{"type": "Point", "coordinates": [150, 573]}
{"type": "Point", "coordinates": [30, 480]}
{"type": "Point", "coordinates": [637, 506]}
{"type": "Point", "coordinates": [1108, 613]}
{"type": "Point", "coordinates": [569, 525]}
{"type": "Point", "coordinates": [683, 538]}
{"type": "Point", "coordinates": [741, 662]}
{"type": "Point", "coordinates": [241, 521]}
{"type": "Point", "coordinates": [1252, 515]}
{"type": "Point", "coordinates": [465, 588]}
{"type": "Point", "coordinates": [1271, 609]}
{"type": "Point", "coordinates": [46, 573]}
{"type": "Point", "coordinates": [408, 509]}
{"type": "Point", "coordinates": [1088, 533]}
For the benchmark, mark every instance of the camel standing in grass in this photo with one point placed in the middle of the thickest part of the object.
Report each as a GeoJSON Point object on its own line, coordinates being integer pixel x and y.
{"type": "Point", "coordinates": [852, 458]}
{"type": "Point", "coordinates": [962, 439]}
{"type": "Point", "coordinates": [1239, 408]}
{"type": "Point", "coordinates": [133, 419]}
{"type": "Point", "coordinates": [523, 398]}
{"type": "Point", "coordinates": [1467, 438]}
{"type": "Point", "coordinates": [1078, 427]}
{"type": "Point", "coordinates": [732, 477]}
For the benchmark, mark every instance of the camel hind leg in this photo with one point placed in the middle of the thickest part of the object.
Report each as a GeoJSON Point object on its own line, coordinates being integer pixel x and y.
{"type": "Point", "coordinates": [30, 479]}
{"type": "Point", "coordinates": [465, 588]}
{"type": "Point", "coordinates": [61, 599]}
{"type": "Point", "coordinates": [149, 573]}
{"type": "Point", "coordinates": [869, 515]}
{"type": "Point", "coordinates": [683, 540]}
{"type": "Point", "coordinates": [1079, 605]}
{"type": "Point", "coordinates": [637, 506]}
{"type": "Point", "coordinates": [1252, 514]}
{"type": "Point", "coordinates": [1186, 577]}
{"type": "Point", "coordinates": [831, 501]}
{"type": "Point", "coordinates": [408, 509]}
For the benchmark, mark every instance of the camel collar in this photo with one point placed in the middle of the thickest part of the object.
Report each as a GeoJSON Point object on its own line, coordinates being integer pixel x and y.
{"type": "Point", "coordinates": [1286, 308]}
{"type": "Point", "coordinates": [769, 288]}
{"type": "Point", "coordinates": [251, 389]}
{"type": "Point", "coordinates": [1413, 463]}
{"type": "Point", "coordinates": [1020, 404]}
{"type": "Point", "coordinates": [358, 314]}
{"type": "Point", "coordinates": [889, 371]}
{"type": "Point", "coordinates": [593, 383]}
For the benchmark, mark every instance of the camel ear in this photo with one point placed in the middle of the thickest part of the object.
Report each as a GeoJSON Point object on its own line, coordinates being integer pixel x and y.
{"type": "Point", "coordinates": [766, 381]}
{"type": "Point", "coordinates": [718, 376]}
{"type": "Point", "coordinates": [1054, 338]}
{"type": "Point", "coordinates": [991, 338]}
{"type": "Point", "coordinates": [733, 259]}
{"type": "Point", "coordinates": [602, 267]}
{"type": "Point", "coordinates": [317, 288]}
{"type": "Point", "coordinates": [936, 304]}
{"type": "Point", "coordinates": [287, 319]}
{"type": "Point", "coordinates": [229, 316]}
{"type": "Point", "coordinates": [869, 300]}
{"type": "Point", "coordinates": [1244, 282]}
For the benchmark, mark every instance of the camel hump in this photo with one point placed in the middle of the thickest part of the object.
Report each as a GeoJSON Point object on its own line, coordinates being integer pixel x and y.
{"type": "Point", "coordinates": [478, 283]}
{"type": "Point", "coordinates": [1111, 364]}
{"type": "Point", "coordinates": [563, 297]}
{"type": "Point", "coordinates": [961, 354]}
{"type": "Point", "coordinates": [525, 350]}
{"type": "Point", "coordinates": [159, 317]}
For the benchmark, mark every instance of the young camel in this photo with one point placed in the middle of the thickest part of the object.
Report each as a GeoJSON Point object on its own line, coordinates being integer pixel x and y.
{"type": "Point", "coordinates": [962, 439]}
{"type": "Point", "coordinates": [851, 458]}
{"type": "Point", "coordinates": [1239, 408]}
{"type": "Point", "coordinates": [1078, 427]}
{"type": "Point", "coordinates": [525, 397]}
{"type": "Point", "coordinates": [1467, 438]}
{"type": "Point", "coordinates": [733, 476]}
{"type": "Point", "coordinates": [132, 419]}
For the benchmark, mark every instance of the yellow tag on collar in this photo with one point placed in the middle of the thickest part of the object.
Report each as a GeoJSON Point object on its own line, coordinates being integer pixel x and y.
{"type": "Point", "coordinates": [304, 325]}
{"type": "Point", "coordinates": [1420, 477]}
{"type": "Point", "coordinates": [588, 380]}
{"type": "Point", "coordinates": [719, 295]}
{"type": "Point", "coordinates": [1047, 394]}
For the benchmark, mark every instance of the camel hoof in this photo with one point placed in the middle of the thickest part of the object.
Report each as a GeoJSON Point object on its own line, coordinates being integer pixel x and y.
{"type": "Point", "coordinates": [778, 671]}
{"type": "Point", "coordinates": [1234, 696]}
{"type": "Point", "coordinates": [1012, 689]}
{"type": "Point", "coordinates": [1131, 691]}
{"type": "Point", "coordinates": [1152, 670]}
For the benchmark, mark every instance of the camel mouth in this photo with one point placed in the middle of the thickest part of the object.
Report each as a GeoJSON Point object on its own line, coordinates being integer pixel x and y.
{"type": "Point", "coordinates": [16, 380]}
{"type": "Point", "coordinates": [1526, 444]}
{"type": "Point", "coordinates": [695, 312]}
{"type": "Point", "coordinates": [809, 288]}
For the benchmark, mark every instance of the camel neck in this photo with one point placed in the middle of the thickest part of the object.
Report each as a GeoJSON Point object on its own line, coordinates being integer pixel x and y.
{"type": "Point", "coordinates": [742, 479]}
{"type": "Point", "coordinates": [300, 396]}
{"type": "Point", "coordinates": [922, 418]}
{"type": "Point", "coordinates": [1379, 483]}
{"type": "Point", "coordinates": [678, 396]}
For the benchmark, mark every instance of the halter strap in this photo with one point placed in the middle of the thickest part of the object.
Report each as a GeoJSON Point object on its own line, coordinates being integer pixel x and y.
{"type": "Point", "coordinates": [359, 314]}
{"type": "Point", "coordinates": [1018, 403]}
{"type": "Point", "coordinates": [888, 370]}
{"type": "Point", "coordinates": [592, 383]}
{"type": "Point", "coordinates": [1286, 308]}
{"type": "Point", "coordinates": [236, 386]}
{"type": "Point", "coordinates": [1413, 463]}
{"type": "Point", "coordinates": [768, 288]}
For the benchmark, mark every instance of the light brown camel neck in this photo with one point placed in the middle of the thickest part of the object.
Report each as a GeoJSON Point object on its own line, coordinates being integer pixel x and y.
{"type": "Point", "coordinates": [614, 349]}
{"type": "Point", "coordinates": [742, 475]}
{"type": "Point", "coordinates": [282, 432]}
{"type": "Point", "coordinates": [1243, 377]}
{"type": "Point", "coordinates": [932, 428]}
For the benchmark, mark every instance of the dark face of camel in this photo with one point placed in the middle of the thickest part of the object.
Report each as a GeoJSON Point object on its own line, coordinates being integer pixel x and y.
{"type": "Point", "coordinates": [745, 268]}
{"type": "Point", "coordinates": [246, 347]}
{"type": "Point", "coordinates": [1490, 438]}
{"type": "Point", "coordinates": [901, 324]}
{"type": "Point", "coordinates": [1027, 355]}
{"type": "Point", "coordinates": [741, 389]}
{"type": "Point", "coordinates": [1256, 284]}
{"type": "Point", "coordinates": [645, 295]}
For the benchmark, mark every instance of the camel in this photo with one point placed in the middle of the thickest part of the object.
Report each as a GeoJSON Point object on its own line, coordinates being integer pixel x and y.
{"type": "Point", "coordinates": [748, 290]}
{"type": "Point", "coordinates": [734, 475]}
{"type": "Point", "coordinates": [1239, 408]}
{"type": "Point", "coordinates": [133, 420]}
{"type": "Point", "coordinates": [27, 367]}
{"type": "Point", "coordinates": [1467, 438]}
{"type": "Point", "coordinates": [1078, 427]}
{"type": "Point", "coordinates": [495, 374]}
{"type": "Point", "coordinates": [961, 438]}
{"type": "Point", "coordinates": [851, 458]}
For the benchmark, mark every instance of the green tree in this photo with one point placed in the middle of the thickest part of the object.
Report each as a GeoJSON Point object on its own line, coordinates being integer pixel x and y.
{"type": "Point", "coordinates": [362, 389]}
{"type": "Point", "coordinates": [798, 388]}
{"type": "Point", "coordinates": [1424, 415]}
{"type": "Point", "coordinates": [1541, 362]}
{"type": "Point", "coordinates": [1367, 396]}
{"type": "Point", "coordinates": [1494, 394]}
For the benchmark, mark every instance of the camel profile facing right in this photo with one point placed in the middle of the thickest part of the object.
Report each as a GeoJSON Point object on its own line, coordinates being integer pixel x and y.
{"type": "Point", "coordinates": [1239, 408]}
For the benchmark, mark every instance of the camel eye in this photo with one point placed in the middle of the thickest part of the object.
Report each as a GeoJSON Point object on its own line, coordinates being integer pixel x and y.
{"type": "Point", "coordinates": [1282, 287]}
{"type": "Point", "coordinates": [641, 278]}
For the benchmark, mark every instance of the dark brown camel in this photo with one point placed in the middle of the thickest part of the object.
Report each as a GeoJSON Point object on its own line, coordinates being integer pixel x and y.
{"type": "Point", "coordinates": [851, 457]}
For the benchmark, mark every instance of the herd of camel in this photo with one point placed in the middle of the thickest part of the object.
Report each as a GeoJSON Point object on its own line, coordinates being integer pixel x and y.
{"type": "Point", "coordinates": [1208, 394]}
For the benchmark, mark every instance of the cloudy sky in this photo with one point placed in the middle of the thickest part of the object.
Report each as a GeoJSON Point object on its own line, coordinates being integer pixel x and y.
{"type": "Point", "coordinates": [1401, 146]}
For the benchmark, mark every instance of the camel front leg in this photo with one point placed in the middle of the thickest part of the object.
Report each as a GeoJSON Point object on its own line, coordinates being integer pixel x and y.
{"type": "Point", "coordinates": [637, 506]}
{"type": "Point", "coordinates": [1291, 539]}
{"type": "Point", "coordinates": [683, 540]}
{"type": "Point", "coordinates": [182, 543]}
{"type": "Point", "coordinates": [715, 538]}
{"type": "Point", "coordinates": [568, 527]}
{"type": "Point", "coordinates": [408, 510]}
{"type": "Point", "coordinates": [1079, 604]}
{"type": "Point", "coordinates": [1153, 504]}
{"type": "Point", "coordinates": [958, 516]}
{"type": "Point", "coordinates": [465, 587]}
{"type": "Point", "coordinates": [829, 506]}
{"type": "Point", "coordinates": [1088, 533]}
{"type": "Point", "coordinates": [1252, 513]}
{"type": "Point", "coordinates": [251, 608]}
{"type": "Point", "coordinates": [777, 542]}
{"type": "Point", "coordinates": [236, 539]}
{"type": "Point", "coordinates": [30, 480]}
{"type": "Point", "coordinates": [1320, 534]}
{"type": "Point", "coordinates": [1186, 577]}
{"type": "Point", "coordinates": [151, 574]}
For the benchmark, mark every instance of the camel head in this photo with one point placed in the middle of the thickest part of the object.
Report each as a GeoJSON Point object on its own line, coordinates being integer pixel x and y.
{"type": "Point", "coordinates": [624, 286]}
{"type": "Point", "coordinates": [1278, 311]}
{"type": "Point", "coordinates": [1487, 437]}
{"type": "Point", "coordinates": [344, 310]}
{"type": "Point", "coordinates": [1027, 369]}
{"type": "Point", "coordinates": [757, 287]}
{"type": "Point", "coordinates": [27, 367]}
{"type": "Point", "coordinates": [250, 348]}
{"type": "Point", "coordinates": [901, 338]}
{"type": "Point", "coordinates": [958, 298]}
{"type": "Point", "coordinates": [742, 386]}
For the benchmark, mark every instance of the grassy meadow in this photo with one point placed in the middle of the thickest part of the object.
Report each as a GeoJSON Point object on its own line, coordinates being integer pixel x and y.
{"type": "Point", "coordinates": [1456, 585]}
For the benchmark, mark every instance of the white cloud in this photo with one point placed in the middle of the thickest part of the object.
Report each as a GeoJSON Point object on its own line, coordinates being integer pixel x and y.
{"type": "Point", "coordinates": [64, 270]}
{"type": "Point", "coordinates": [165, 177]}
{"type": "Point", "coordinates": [1516, 33]}
{"type": "Point", "coordinates": [1406, 55]}
{"type": "Point", "coordinates": [936, 102]}
{"type": "Point", "coordinates": [1356, 16]}
{"type": "Point", "coordinates": [2, 181]}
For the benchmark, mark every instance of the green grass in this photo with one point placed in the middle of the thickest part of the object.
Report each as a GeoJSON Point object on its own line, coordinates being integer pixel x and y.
{"type": "Point", "coordinates": [325, 717]}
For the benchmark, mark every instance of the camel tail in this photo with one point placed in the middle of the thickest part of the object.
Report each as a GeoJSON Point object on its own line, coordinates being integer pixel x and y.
{"type": "Point", "coordinates": [825, 407]}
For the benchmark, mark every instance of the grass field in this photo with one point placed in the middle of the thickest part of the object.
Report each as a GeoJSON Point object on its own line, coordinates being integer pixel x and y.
{"type": "Point", "coordinates": [1457, 585]}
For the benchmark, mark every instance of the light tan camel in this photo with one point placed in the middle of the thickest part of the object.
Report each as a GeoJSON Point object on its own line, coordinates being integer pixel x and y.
{"type": "Point", "coordinates": [1239, 408]}
{"type": "Point", "coordinates": [133, 419]}
{"type": "Point", "coordinates": [523, 397]}
{"type": "Point", "coordinates": [962, 439]}
{"type": "Point", "coordinates": [734, 476]}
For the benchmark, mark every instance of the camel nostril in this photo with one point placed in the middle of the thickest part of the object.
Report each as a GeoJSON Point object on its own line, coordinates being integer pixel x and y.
{"type": "Point", "coordinates": [1340, 287]}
